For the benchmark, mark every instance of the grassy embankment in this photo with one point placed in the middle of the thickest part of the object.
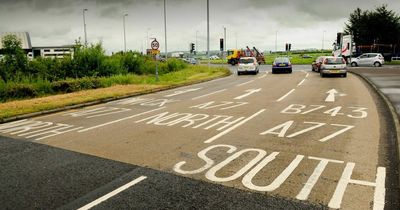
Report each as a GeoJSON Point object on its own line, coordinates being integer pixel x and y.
{"type": "Point", "coordinates": [112, 87]}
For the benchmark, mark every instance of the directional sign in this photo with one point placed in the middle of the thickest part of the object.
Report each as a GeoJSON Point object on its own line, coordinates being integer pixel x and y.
{"type": "Point", "coordinates": [249, 92]}
{"type": "Point", "coordinates": [155, 45]}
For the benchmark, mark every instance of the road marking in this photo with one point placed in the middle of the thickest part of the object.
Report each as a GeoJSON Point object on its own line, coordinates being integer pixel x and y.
{"type": "Point", "coordinates": [286, 95]}
{"type": "Point", "coordinates": [302, 81]}
{"type": "Point", "coordinates": [331, 95]}
{"type": "Point", "coordinates": [209, 94]}
{"type": "Point", "coordinates": [263, 76]}
{"type": "Point", "coordinates": [308, 74]}
{"type": "Point", "coordinates": [111, 194]}
{"type": "Point", "coordinates": [233, 127]}
{"type": "Point", "coordinates": [347, 127]}
{"type": "Point", "coordinates": [179, 92]}
{"type": "Point", "coordinates": [245, 83]}
{"type": "Point", "coordinates": [122, 119]}
{"type": "Point", "coordinates": [304, 71]}
{"type": "Point", "coordinates": [251, 91]}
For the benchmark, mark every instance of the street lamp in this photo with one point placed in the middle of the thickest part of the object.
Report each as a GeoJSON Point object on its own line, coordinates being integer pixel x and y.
{"type": "Point", "coordinates": [197, 46]}
{"type": "Point", "coordinates": [123, 17]}
{"type": "Point", "coordinates": [208, 32]}
{"type": "Point", "coordinates": [84, 25]}
{"type": "Point", "coordinates": [147, 38]}
{"type": "Point", "coordinates": [224, 47]}
{"type": "Point", "coordinates": [276, 41]}
{"type": "Point", "coordinates": [323, 40]}
{"type": "Point", "coordinates": [165, 29]}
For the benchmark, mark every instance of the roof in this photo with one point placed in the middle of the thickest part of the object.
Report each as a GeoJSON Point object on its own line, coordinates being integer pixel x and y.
{"type": "Point", "coordinates": [23, 36]}
{"type": "Point", "coordinates": [51, 47]}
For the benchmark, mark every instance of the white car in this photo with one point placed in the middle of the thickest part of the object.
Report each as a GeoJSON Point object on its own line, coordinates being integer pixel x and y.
{"type": "Point", "coordinates": [248, 65]}
{"type": "Point", "coordinates": [214, 57]}
{"type": "Point", "coordinates": [333, 66]}
{"type": "Point", "coordinates": [368, 59]}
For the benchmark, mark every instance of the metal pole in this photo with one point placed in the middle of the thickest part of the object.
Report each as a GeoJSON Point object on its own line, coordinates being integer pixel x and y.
{"type": "Point", "coordinates": [208, 32]}
{"type": "Point", "coordinates": [84, 25]}
{"type": "Point", "coordinates": [323, 40]}
{"type": "Point", "coordinates": [236, 39]}
{"type": "Point", "coordinates": [197, 46]}
{"type": "Point", "coordinates": [147, 39]}
{"type": "Point", "coordinates": [276, 41]}
{"type": "Point", "coordinates": [124, 32]}
{"type": "Point", "coordinates": [165, 29]}
{"type": "Point", "coordinates": [224, 42]}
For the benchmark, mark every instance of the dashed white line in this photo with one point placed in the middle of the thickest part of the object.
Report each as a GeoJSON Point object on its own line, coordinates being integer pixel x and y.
{"type": "Point", "coordinates": [245, 83]}
{"type": "Point", "coordinates": [308, 74]}
{"type": "Point", "coordinates": [113, 193]}
{"type": "Point", "coordinates": [302, 81]}
{"type": "Point", "coordinates": [210, 140]}
{"type": "Point", "coordinates": [119, 120]}
{"type": "Point", "coordinates": [286, 95]}
{"type": "Point", "coordinates": [209, 94]}
{"type": "Point", "coordinates": [263, 76]}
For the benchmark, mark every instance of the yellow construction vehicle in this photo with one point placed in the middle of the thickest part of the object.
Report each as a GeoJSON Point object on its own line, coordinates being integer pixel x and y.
{"type": "Point", "coordinates": [235, 54]}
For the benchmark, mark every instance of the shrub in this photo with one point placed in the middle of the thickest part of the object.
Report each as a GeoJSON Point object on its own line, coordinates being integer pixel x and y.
{"type": "Point", "coordinates": [17, 91]}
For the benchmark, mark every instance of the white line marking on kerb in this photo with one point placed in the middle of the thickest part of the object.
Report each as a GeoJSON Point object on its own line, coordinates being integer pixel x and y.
{"type": "Point", "coordinates": [302, 81]}
{"type": "Point", "coordinates": [233, 127]}
{"type": "Point", "coordinates": [286, 95]}
{"type": "Point", "coordinates": [122, 119]}
{"type": "Point", "coordinates": [209, 94]}
{"type": "Point", "coordinates": [245, 83]}
{"type": "Point", "coordinates": [113, 193]}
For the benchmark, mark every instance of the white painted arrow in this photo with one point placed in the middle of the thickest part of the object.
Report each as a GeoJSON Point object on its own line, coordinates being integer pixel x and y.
{"type": "Point", "coordinates": [249, 92]}
{"type": "Point", "coordinates": [331, 95]}
{"type": "Point", "coordinates": [179, 92]}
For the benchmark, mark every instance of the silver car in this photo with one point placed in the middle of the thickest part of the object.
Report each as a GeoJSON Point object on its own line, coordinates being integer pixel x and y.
{"type": "Point", "coordinates": [368, 59]}
{"type": "Point", "coordinates": [333, 66]}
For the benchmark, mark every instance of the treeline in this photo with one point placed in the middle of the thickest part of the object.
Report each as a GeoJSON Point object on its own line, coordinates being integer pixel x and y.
{"type": "Point", "coordinates": [20, 78]}
{"type": "Point", "coordinates": [379, 26]}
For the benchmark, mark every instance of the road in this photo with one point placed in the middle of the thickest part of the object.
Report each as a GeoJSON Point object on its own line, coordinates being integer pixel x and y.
{"type": "Point", "coordinates": [266, 141]}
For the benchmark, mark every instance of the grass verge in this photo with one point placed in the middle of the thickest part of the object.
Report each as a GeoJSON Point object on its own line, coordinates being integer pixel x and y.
{"type": "Point", "coordinates": [120, 86]}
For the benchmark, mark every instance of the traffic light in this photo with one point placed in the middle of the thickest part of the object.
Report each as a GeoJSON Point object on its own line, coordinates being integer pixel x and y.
{"type": "Point", "coordinates": [290, 46]}
{"type": "Point", "coordinates": [221, 44]}
{"type": "Point", "coordinates": [339, 38]}
{"type": "Point", "coordinates": [192, 47]}
{"type": "Point", "coordinates": [286, 47]}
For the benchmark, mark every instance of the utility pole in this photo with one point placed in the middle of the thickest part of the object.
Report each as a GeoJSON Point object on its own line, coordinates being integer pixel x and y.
{"type": "Point", "coordinates": [165, 29]}
{"type": "Point", "coordinates": [197, 46]}
{"type": "Point", "coordinates": [276, 41]}
{"type": "Point", "coordinates": [84, 25]}
{"type": "Point", "coordinates": [123, 17]}
{"type": "Point", "coordinates": [323, 40]}
{"type": "Point", "coordinates": [208, 32]}
{"type": "Point", "coordinates": [236, 39]}
{"type": "Point", "coordinates": [224, 43]}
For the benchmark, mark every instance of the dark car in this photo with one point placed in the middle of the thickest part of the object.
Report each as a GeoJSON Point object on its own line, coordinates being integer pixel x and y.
{"type": "Point", "coordinates": [316, 65]}
{"type": "Point", "coordinates": [281, 64]}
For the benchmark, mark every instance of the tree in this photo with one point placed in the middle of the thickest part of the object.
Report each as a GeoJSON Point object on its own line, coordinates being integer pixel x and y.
{"type": "Point", "coordinates": [381, 26]}
{"type": "Point", "coordinates": [15, 60]}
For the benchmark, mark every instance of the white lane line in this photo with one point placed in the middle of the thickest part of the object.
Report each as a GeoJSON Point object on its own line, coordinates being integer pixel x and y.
{"type": "Point", "coordinates": [119, 120]}
{"type": "Point", "coordinates": [111, 194]}
{"type": "Point", "coordinates": [263, 76]}
{"type": "Point", "coordinates": [179, 92]}
{"type": "Point", "coordinates": [308, 74]}
{"type": "Point", "coordinates": [209, 94]}
{"type": "Point", "coordinates": [210, 140]}
{"type": "Point", "coordinates": [244, 83]}
{"type": "Point", "coordinates": [286, 95]}
{"type": "Point", "coordinates": [302, 81]}
{"type": "Point", "coordinates": [304, 71]}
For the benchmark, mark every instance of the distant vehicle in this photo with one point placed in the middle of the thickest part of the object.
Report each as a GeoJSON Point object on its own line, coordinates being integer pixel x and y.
{"type": "Point", "coordinates": [192, 61]}
{"type": "Point", "coordinates": [214, 57]}
{"type": "Point", "coordinates": [281, 64]}
{"type": "Point", "coordinates": [234, 56]}
{"type": "Point", "coordinates": [306, 56]}
{"type": "Point", "coordinates": [333, 66]}
{"type": "Point", "coordinates": [368, 59]}
{"type": "Point", "coordinates": [248, 65]}
{"type": "Point", "coordinates": [316, 65]}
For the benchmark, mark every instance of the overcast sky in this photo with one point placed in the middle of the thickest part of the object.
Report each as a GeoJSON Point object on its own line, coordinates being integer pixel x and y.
{"type": "Point", "coordinates": [250, 22]}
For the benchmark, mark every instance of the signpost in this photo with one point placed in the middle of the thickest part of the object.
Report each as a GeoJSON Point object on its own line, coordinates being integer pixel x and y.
{"type": "Point", "coordinates": [155, 52]}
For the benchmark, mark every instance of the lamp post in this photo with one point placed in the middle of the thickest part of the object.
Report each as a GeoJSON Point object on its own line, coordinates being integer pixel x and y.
{"type": "Point", "coordinates": [208, 32]}
{"type": "Point", "coordinates": [147, 38]}
{"type": "Point", "coordinates": [323, 40]}
{"type": "Point", "coordinates": [197, 46]}
{"type": "Point", "coordinates": [123, 18]}
{"type": "Point", "coordinates": [276, 41]}
{"type": "Point", "coordinates": [224, 47]}
{"type": "Point", "coordinates": [84, 25]}
{"type": "Point", "coordinates": [165, 29]}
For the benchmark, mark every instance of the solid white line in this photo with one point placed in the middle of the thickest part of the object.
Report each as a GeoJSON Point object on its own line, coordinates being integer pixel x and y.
{"type": "Point", "coordinates": [113, 193]}
{"type": "Point", "coordinates": [304, 71]}
{"type": "Point", "coordinates": [301, 82]}
{"type": "Point", "coordinates": [308, 74]}
{"type": "Point", "coordinates": [122, 119]}
{"type": "Point", "coordinates": [210, 140]}
{"type": "Point", "coordinates": [286, 95]}
{"type": "Point", "coordinates": [245, 83]}
{"type": "Point", "coordinates": [209, 94]}
{"type": "Point", "coordinates": [263, 76]}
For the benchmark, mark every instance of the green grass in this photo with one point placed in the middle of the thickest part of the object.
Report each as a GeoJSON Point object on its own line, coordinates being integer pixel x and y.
{"type": "Point", "coordinates": [114, 86]}
{"type": "Point", "coordinates": [393, 63]}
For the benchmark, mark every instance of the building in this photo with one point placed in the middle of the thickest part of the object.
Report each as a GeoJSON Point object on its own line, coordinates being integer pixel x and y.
{"type": "Point", "coordinates": [34, 52]}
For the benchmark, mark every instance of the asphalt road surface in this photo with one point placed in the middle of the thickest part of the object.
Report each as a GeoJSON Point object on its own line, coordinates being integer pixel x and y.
{"type": "Point", "coordinates": [266, 141]}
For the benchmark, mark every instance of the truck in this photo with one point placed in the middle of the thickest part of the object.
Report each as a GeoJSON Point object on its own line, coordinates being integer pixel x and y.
{"type": "Point", "coordinates": [234, 55]}
{"type": "Point", "coordinates": [344, 47]}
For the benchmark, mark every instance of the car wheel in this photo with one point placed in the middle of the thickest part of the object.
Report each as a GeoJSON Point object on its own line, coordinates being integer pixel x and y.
{"type": "Point", "coordinates": [345, 75]}
{"type": "Point", "coordinates": [322, 74]}
{"type": "Point", "coordinates": [273, 72]}
{"type": "Point", "coordinates": [290, 71]}
{"type": "Point", "coordinates": [377, 64]}
{"type": "Point", "coordinates": [239, 73]}
{"type": "Point", "coordinates": [354, 64]}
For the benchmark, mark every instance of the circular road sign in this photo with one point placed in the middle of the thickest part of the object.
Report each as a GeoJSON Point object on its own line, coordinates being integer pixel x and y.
{"type": "Point", "coordinates": [155, 45]}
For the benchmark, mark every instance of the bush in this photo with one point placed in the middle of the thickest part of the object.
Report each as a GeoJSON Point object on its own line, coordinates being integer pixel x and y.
{"type": "Point", "coordinates": [17, 91]}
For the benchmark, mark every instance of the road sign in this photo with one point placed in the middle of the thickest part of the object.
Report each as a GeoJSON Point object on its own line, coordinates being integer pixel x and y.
{"type": "Point", "coordinates": [155, 45]}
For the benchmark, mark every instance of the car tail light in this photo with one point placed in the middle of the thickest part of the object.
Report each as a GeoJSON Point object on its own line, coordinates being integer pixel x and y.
{"type": "Point", "coordinates": [325, 61]}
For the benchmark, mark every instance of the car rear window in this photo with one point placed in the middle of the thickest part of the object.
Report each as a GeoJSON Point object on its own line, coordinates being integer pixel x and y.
{"type": "Point", "coordinates": [246, 60]}
{"type": "Point", "coordinates": [334, 61]}
{"type": "Point", "coordinates": [281, 60]}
